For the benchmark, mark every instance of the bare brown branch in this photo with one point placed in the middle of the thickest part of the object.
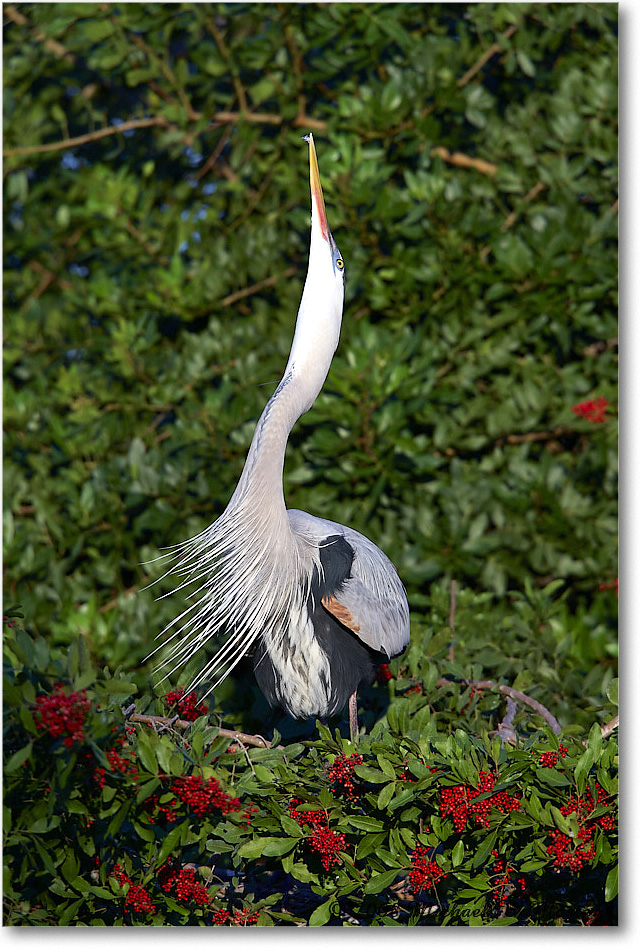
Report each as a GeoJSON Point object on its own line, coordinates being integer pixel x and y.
{"type": "Point", "coordinates": [88, 137]}
{"type": "Point", "coordinates": [219, 118]}
{"type": "Point", "coordinates": [50, 44]}
{"type": "Point", "coordinates": [481, 62]}
{"type": "Point", "coordinates": [165, 722]}
{"type": "Point", "coordinates": [256, 288]}
{"type": "Point", "coordinates": [505, 729]}
{"type": "Point", "coordinates": [464, 161]}
{"type": "Point", "coordinates": [225, 53]}
{"type": "Point", "coordinates": [508, 691]}
{"type": "Point", "coordinates": [512, 217]}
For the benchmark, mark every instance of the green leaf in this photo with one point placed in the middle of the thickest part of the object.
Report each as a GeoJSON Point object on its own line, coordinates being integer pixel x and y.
{"type": "Point", "coordinates": [612, 691]}
{"type": "Point", "coordinates": [386, 767]}
{"type": "Point", "coordinates": [611, 887]}
{"type": "Point", "coordinates": [279, 846]}
{"type": "Point", "coordinates": [378, 882]}
{"type": "Point", "coordinates": [17, 759]}
{"type": "Point", "coordinates": [370, 775]}
{"type": "Point", "coordinates": [256, 847]}
{"type": "Point", "coordinates": [170, 843]}
{"type": "Point", "coordinates": [291, 827]}
{"type": "Point", "coordinates": [457, 854]}
{"type": "Point", "coordinates": [321, 914]}
{"type": "Point", "coordinates": [385, 795]}
{"type": "Point", "coordinates": [146, 755]}
{"type": "Point", "coordinates": [364, 823]}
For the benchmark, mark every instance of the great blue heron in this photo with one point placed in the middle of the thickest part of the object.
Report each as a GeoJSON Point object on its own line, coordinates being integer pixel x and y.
{"type": "Point", "coordinates": [319, 604]}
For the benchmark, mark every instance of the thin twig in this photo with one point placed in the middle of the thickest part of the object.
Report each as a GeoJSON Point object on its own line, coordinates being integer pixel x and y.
{"type": "Point", "coordinates": [508, 691]}
{"type": "Point", "coordinates": [607, 729]}
{"type": "Point", "coordinates": [52, 45]}
{"type": "Point", "coordinates": [88, 137]}
{"type": "Point", "coordinates": [216, 154]}
{"type": "Point", "coordinates": [256, 288]}
{"type": "Point", "coordinates": [138, 41]}
{"type": "Point", "coordinates": [464, 161]}
{"type": "Point", "coordinates": [165, 722]}
{"type": "Point", "coordinates": [219, 118]}
{"type": "Point", "coordinates": [505, 729]}
{"type": "Point", "coordinates": [512, 217]}
{"type": "Point", "coordinates": [481, 62]}
{"type": "Point", "coordinates": [225, 53]}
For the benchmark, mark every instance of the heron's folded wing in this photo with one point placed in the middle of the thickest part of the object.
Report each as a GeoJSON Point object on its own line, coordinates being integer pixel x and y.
{"type": "Point", "coordinates": [381, 622]}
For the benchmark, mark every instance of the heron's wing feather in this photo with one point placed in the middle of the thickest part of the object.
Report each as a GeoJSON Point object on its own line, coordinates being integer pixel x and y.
{"type": "Point", "coordinates": [379, 622]}
{"type": "Point", "coordinates": [371, 601]}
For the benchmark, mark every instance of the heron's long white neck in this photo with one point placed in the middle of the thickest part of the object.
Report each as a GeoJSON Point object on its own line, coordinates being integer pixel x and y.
{"type": "Point", "coordinates": [315, 339]}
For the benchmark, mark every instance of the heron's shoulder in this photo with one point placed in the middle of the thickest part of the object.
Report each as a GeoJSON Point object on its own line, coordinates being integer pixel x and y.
{"type": "Point", "coordinates": [319, 529]}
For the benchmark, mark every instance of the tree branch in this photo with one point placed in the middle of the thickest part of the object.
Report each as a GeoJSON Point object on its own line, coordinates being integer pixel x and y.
{"type": "Point", "coordinates": [481, 62]}
{"type": "Point", "coordinates": [165, 722]}
{"type": "Point", "coordinates": [508, 691]}
{"type": "Point", "coordinates": [219, 118]}
{"type": "Point", "coordinates": [255, 288]}
{"type": "Point", "coordinates": [505, 729]}
{"type": "Point", "coordinates": [52, 45]}
{"type": "Point", "coordinates": [464, 161]}
{"type": "Point", "coordinates": [88, 137]}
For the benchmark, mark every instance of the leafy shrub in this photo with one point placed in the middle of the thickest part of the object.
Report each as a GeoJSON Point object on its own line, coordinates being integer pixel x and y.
{"type": "Point", "coordinates": [155, 242]}
{"type": "Point", "coordinates": [431, 820]}
{"type": "Point", "coordinates": [153, 275]}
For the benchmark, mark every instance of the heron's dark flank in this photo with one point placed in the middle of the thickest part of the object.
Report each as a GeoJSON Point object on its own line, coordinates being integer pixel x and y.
{"type": "Point", "coordinates": [350, 663]}
{"type": "Point", "coordinates": [318, 604]}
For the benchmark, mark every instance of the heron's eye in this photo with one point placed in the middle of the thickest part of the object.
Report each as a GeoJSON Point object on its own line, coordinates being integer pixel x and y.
{"type": "Point", "coordinates": [339, 263]}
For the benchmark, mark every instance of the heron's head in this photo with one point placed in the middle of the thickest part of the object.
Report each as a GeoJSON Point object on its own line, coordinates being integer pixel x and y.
{"type": "Point", "coordinates": [319, 321]}
{"type": "Point", "coordinates": [326, 269]}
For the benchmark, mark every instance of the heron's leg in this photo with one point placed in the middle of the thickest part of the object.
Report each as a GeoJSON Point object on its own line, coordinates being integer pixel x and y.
{"type": "Point", "coordinates": [354, 719]}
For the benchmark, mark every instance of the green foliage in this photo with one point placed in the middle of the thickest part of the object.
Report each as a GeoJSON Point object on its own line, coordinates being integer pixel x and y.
{"type": "Point", "coordinates": [429, 820]}
{"type": "Point", "coordinates": [152, 279]}
{"type": "Point", "coordinates": [468, 155]}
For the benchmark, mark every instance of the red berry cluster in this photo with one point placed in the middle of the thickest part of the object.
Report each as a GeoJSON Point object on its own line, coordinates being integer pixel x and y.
{"type": "Point", "coordinates": [188, 707]}
{"type": "Point", "coordinates": [549, 759]}
{"type": "Point", "coordinates": [121, 763]}
{"type": "Point", "coordinates": [182, 881]}
{"type": "Point", "coordinates": [569, 853]}
{"type": "Point", "coordinates": [203, 796]}
{"type": "Point", "coordinates": [572, 853]}
{"type": "Point", "coordinates": [424, 873]}
{"type": "Point", "coordinates": [585, 805]}
{"type": "Point", "coordinates": [239, 918]}
{"type": "Point", "coordinates": [407, 775]}
{"type": "Point", "coordinates": [328, 843]}
{"type": "Point", "coordinates": [506, 883]}
{"type": "Point", "coordinates": [456, 801]}
{"type": "Point", "coordinates": [306, 817]}
{"type": "Point", "coordinates": [62, 714]}
{"type": "Point", "coordinates": [593, 409]}
{"type": "Point", "coordinates": [414, 689]}
{"type": "Point", "coordinates": [383, 674]}
{"type": "Point", "coordinates": [137, 900]}
{"type": "Point", "coordinates": [341, 774]}
{"type": "Point", "coordinates": [157, 809]}
{"type": "Point", "coordinates": [613, 584]}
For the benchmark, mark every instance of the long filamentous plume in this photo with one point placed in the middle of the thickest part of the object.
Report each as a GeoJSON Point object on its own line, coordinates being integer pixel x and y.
{"type": "Point", "coordinates": [247, 566]}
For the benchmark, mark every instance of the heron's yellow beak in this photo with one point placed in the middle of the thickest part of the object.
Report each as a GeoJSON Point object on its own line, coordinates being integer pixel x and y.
{"type": "Point", "coordinates": [318, 204]}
